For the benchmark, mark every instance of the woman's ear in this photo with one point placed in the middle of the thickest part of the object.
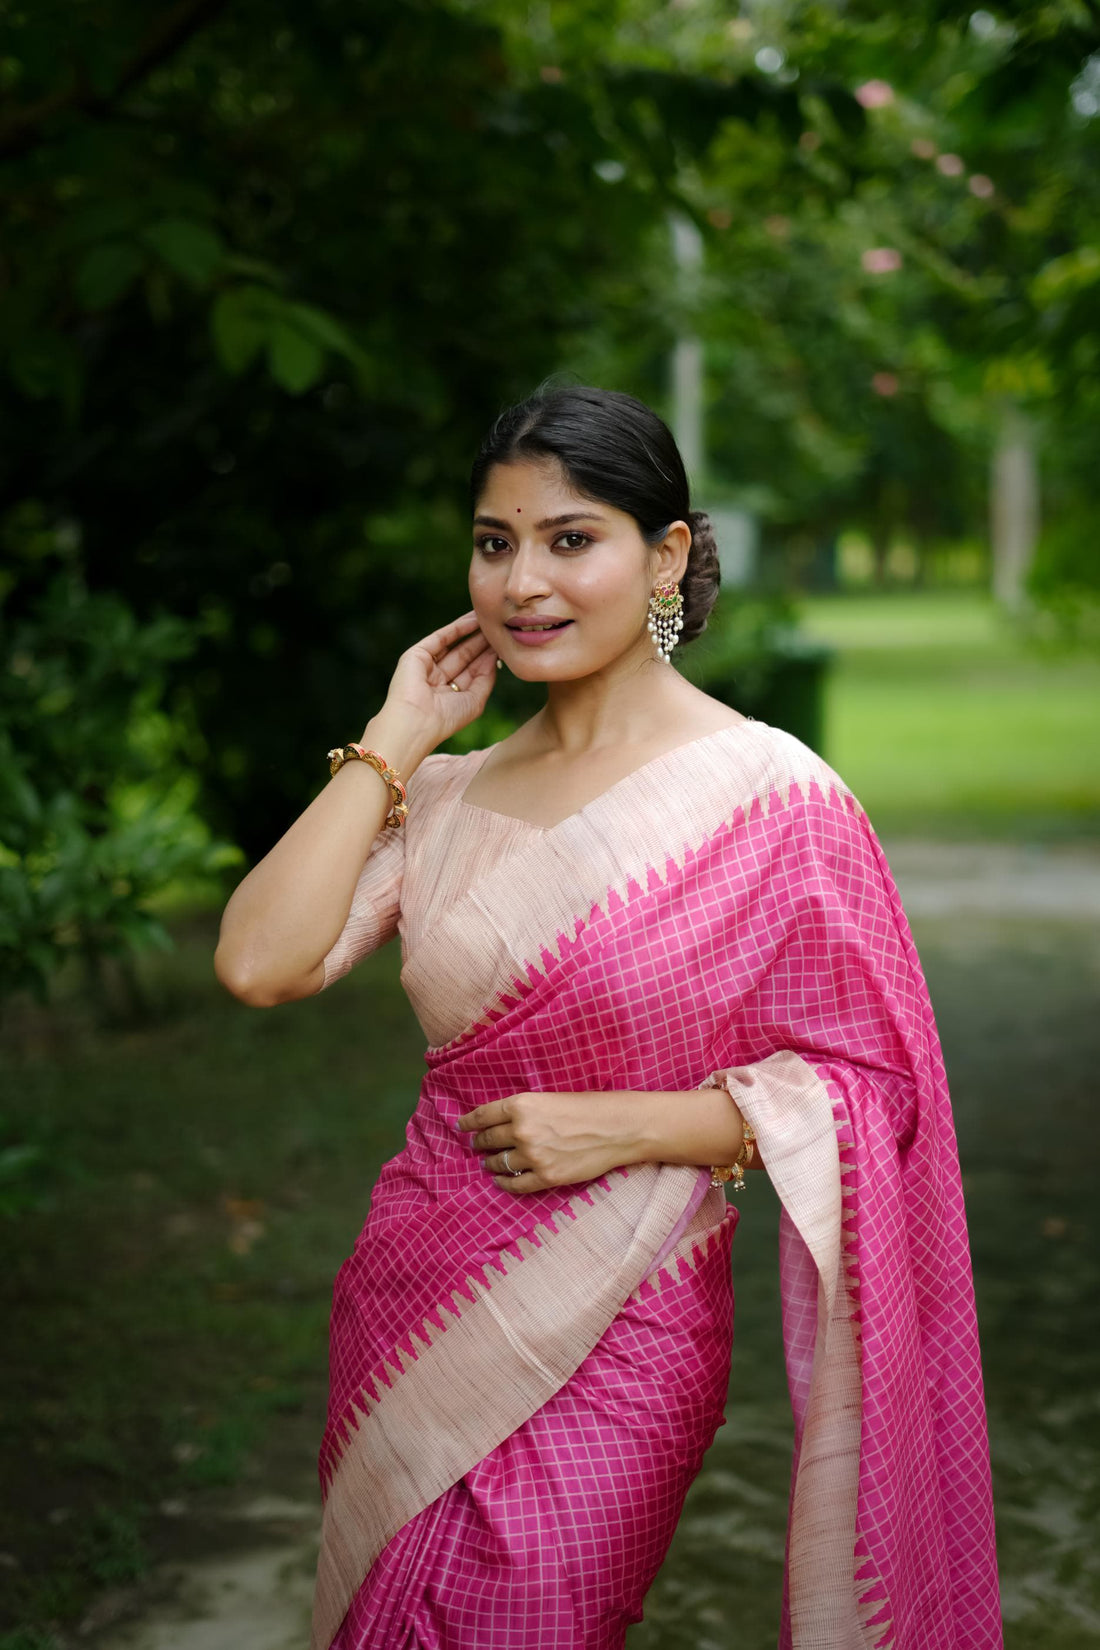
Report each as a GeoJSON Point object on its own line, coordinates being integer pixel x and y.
{"type": "Point", "coordinates": [672, 552]}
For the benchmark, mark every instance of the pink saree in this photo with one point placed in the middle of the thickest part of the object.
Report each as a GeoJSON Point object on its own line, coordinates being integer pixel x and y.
{"type": "Point", "coordinates": [522, 1389]}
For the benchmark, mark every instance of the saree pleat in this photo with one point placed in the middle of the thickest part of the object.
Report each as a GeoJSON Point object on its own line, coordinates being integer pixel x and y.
{"type": "Point", "coordinates": [602, 1468]}
{"type": "Point", "coordinates": [722, 917]}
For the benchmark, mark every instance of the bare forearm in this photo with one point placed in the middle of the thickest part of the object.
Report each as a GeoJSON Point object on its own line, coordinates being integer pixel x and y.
{"type": "Point", "coordinates": [694, 1126]}
{"type": "Point", "coordinates": [288, 912]}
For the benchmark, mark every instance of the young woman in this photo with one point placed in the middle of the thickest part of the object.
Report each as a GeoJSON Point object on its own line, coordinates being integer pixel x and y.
{"type": "Point", "coordinates": [650, 941]}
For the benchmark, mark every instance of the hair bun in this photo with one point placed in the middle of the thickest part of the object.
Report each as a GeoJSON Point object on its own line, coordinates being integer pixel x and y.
{"type": "Point", "coordinates": [702, 576]}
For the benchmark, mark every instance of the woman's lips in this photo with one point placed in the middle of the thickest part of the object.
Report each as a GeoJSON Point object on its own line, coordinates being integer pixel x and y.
{"type": "Point", "coordinates": [536, 638]}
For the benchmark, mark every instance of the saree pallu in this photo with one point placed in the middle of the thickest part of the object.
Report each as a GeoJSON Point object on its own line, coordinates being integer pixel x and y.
{"type": "Point", "coordinates": [522, 1388]}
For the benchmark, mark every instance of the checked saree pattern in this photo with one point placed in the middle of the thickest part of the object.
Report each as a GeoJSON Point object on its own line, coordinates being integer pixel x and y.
{"type": "Point", "coordinates": [522, 1389]}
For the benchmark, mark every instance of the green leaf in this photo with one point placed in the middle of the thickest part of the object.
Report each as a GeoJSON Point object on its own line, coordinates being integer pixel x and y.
{"type": "Point", "coordinates": [106, 272]}
{"type": "Point", "coordinates": [45, 366]}
{"type": "Point", "coordinates": [1065, 276]}
{"type": "Point", "coordinates": [236, 263]}
{"type": "Point", "coordinates": [322, 328]}
{"type": "Point", "coordinates": [240, 323]}
{"type": "Point", "coordinates": [296, 361]}
{"type": "Point", "coordinates": [191, 250]}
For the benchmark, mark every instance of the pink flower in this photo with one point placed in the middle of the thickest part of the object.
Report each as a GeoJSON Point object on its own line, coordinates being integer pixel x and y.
{"type": "Point", "coordinates": [981, 186]}
{"type": "Point", "coordinates": [881, 260]}
{"type": "Point", "coordinates": [951, 166]}
{"type": "Point", "coordinates": [923, 148]}
{"type": "Point", "coordinates": [885, 383]}
{"type": "Point", "coordinates": [875, 94]}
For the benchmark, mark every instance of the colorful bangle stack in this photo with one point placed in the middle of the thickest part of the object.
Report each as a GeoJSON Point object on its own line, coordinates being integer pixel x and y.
{"type": "Point", "coordinates": [399, 810]}
{"type": "Point", "coordinates": [720, 1173]}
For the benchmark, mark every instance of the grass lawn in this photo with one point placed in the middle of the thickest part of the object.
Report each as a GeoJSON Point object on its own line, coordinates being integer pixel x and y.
{"type": "Point", "coordinates": [165, 1295]}
{"type": "Point", "coordinates": [945, 721]}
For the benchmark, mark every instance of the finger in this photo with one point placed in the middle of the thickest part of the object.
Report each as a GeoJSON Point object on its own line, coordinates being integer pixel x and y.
{"type": "Point", "coordinates": [497, 1165]}
{"type": "Point", "coordinates": [520, 1183]}
{"type": "Point", "coordinates": [458, 665]}
{"type": "Point", "coordinates": [462, 652]}
{"type": "Point", "coordinates": [440, 643]}
{"type": "Point", "coordinates": [439, 640]}
{"type": "Point", "coordinates": [459, 654]}
{"type": "Point", "coordinates": [483, 1117]}
{"type": "Point", "coordinates": [493, 1140]}
{"type": "Point", "coordinates": [484, 664]}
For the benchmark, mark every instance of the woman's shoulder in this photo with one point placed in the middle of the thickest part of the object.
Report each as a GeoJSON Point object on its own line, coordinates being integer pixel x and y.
{"type": "Point", "coordinates": [789, 760]}
{"type": "Point", "coordinates": [444, 772]}
{"type": "Point", "coordinates": [754, 759]}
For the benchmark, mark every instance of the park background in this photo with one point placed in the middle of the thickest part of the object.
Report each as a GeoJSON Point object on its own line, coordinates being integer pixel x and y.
{"type": "Point", "coordinates": [267, 272]}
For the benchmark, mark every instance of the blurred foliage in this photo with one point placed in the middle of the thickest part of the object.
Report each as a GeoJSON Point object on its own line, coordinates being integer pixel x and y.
{"type": "Point", "coordinates": [97, 807]}
{"type": "Point", "coordinates": [270, 269]}
{"type": "Point", "coordinates": [1065, 578]}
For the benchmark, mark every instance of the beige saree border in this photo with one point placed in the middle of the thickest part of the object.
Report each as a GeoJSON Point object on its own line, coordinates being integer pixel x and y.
{"type": "Point", "coordinates": [489, 938]}
{"type": "Point", "coordinates": [494, 1365]}
{"type": "Point", "coordinates": [791, 1111]}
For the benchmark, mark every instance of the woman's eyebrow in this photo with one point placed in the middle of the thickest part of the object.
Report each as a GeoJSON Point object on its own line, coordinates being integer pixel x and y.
{"type": "Point", "coordinates": [540, 526]}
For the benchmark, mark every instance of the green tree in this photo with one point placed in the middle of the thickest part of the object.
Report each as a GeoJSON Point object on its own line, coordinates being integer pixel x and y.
{"type": "Point", "coordinates": [97, 796]}
{"type": "Point", "coordinates": [270, 272]}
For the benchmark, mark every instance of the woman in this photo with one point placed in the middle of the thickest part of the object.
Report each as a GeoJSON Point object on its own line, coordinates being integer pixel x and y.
{"type": "Point", "coordinates": [649, 941]}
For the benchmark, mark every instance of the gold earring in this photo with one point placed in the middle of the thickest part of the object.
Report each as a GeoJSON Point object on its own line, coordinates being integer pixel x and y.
{"type": "Point", "coordinates": [666, 606]}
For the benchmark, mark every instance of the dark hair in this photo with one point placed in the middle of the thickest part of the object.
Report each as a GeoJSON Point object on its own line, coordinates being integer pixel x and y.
{"type": "Point", "coordinates": [616, 450]}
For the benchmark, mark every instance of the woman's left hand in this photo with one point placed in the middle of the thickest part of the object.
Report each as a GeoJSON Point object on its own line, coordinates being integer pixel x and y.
{"type": "Point", "coordinates": [554, 1139]}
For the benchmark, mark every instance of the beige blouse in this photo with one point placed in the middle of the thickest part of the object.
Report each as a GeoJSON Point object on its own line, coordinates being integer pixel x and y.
{"type": "Point", "coordinates": [414, 874]}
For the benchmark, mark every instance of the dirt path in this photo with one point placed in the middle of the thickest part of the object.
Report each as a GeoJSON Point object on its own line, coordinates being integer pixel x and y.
{"type": "Point", "coordinates": [938, 879]}
{"type": "Point", "coordinates": [253, 1592]}
{"type": "Point", "coordinates": [244, 1580]}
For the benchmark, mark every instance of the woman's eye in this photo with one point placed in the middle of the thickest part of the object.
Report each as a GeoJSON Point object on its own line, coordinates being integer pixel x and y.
{"type": "Point", "coordinates": [490, 544]}
{"type": "Point", "coordinates": [574, 541]}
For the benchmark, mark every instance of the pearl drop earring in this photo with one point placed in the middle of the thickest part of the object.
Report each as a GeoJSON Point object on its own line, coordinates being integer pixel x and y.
{"type": "Point", "coordinates": [666, 606]}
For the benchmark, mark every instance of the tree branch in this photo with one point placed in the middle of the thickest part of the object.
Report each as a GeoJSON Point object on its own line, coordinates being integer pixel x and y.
{"type": "Point", "coordinates": [28, 127]}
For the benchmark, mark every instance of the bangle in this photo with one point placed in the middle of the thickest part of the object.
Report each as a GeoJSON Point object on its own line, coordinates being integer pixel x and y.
{"type": "Point", "coordinates": [720, 1172]}
{"type": "Point", "coordinates": [399, 810]}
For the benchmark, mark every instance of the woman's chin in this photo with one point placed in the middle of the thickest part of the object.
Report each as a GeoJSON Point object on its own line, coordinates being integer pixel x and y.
{"type": "Point", "coordinates": [546, 670]}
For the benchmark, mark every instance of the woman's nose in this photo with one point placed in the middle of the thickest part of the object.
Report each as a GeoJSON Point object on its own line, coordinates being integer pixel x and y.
{"type": "Point", "coordinates": [526, 576]}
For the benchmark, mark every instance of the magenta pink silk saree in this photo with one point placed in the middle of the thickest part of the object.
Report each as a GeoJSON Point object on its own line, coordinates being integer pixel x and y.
{"type": "Point", "coordinates": [522, 1389]}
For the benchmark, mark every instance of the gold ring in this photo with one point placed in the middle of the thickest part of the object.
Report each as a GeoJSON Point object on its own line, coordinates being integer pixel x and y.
{"type": "Point", "coordinates": [455, 687]}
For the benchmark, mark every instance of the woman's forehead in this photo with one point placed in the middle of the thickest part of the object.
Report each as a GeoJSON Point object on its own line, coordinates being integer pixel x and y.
{"type": "Point", "coordinates": [535, 487]}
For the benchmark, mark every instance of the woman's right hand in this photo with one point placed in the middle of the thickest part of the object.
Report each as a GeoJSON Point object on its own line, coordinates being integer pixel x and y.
{"type": "Point", "coordinates": [421, 708]}
{"type": "Point", "coordinates": [421, 684]}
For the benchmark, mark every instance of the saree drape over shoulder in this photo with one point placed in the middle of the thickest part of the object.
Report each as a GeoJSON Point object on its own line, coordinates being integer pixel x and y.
{"type": "Point", "coordinates": [522, 1388]}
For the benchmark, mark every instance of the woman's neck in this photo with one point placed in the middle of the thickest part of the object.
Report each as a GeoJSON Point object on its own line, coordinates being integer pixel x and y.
{"type": "Point", "coordinates": [625, 705]}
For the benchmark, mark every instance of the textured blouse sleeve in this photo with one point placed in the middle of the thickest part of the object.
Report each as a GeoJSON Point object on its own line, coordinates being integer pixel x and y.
{"type": "Point", "coordinates": [375, 905]}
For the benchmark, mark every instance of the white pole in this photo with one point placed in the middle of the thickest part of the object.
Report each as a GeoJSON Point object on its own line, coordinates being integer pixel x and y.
{"type": "Point", "coordinates": [687, 356]}
{"type": "Point", "coordinates": [1014, 507]}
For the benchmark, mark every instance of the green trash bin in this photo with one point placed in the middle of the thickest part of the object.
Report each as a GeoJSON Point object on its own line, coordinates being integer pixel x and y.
{"type": "Point", "coordinates": [785, 689]}
{"type": "Point", "coordinates": [754, 657]}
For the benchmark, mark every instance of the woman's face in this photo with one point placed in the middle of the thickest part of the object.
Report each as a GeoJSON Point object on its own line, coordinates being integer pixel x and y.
{"type": "Point", "coordinates": [545, 554]}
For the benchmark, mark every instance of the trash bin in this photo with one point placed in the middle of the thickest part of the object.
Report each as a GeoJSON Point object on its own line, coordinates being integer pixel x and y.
{"type": "Point", "coordinates": [785, 689]}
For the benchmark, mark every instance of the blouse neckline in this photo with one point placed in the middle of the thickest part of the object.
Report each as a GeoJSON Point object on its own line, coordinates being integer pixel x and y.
{"type": "Point", "coordinates": [643, 768]}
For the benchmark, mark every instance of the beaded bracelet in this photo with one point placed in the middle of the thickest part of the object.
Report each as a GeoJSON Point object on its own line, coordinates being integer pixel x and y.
{"type": "Point", "coordinates": [399, 810]}
{"type": "Point", "coordinates": [720, 1172]}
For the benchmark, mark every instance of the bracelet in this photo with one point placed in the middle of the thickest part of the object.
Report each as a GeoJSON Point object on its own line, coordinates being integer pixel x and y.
{"type": "Point", "coordinates": [399, 810]}
{"type": "Point", "coordinates": [720, 1173]}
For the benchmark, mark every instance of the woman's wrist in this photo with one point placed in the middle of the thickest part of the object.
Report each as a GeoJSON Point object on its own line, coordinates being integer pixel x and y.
{"type": "Point", "coordinates": [697, 1126]}
{"type": "Point", "coordinates": [400, 737]}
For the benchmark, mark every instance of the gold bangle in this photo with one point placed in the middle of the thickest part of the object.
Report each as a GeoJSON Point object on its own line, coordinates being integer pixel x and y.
{"type": "Point", "coordinates": [399, 809]}
{"type": "Point", "coordinates": [720, 1173]}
